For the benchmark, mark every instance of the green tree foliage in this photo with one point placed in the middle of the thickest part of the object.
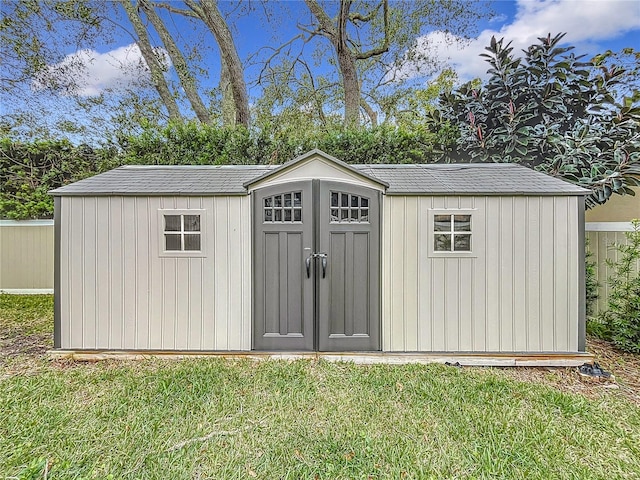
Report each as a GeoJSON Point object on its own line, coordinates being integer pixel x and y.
{"type": "Point", "coordinates": [622, 317]}
{"type": "Point", "coordinates": [551, 111]}
{"type": "Point", "coordinates": [629, 60]}
{"type": "Point", "coordinates": [29, 170]}
{"type": "Point", "coordinates": [366, 43]}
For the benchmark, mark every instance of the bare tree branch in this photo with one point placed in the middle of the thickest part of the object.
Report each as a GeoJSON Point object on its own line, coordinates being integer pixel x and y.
{"type": "Point", "coordinates": [357, 16]}
{"type": "Point", "coordinates": [209, 13]}
{"type": "Point", "coordinates": [172, 9]}
{"type": "Point", "coordinates": [157, 71]}
{"type": "Point", "coordinates": [371, 113]}
{"type": "Point", "coordinates": [186, 78]}
{"type": "Point", "coordinates": [321, 116]}
{"type": "Point", "coordinates": [385, 43]}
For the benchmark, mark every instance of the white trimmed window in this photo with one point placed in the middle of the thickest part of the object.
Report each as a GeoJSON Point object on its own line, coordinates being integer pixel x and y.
{"type": "Point", "coordinates": [182, 233]}
{"type": "Point", "coordinates": [450, 232]}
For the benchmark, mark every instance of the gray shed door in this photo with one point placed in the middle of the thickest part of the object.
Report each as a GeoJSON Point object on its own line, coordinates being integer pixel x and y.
{"type": "Point", "coordinates": [316, 260]}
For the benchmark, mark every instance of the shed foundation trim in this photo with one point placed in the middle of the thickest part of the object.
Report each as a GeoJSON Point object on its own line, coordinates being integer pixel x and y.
{"type": "Point", "coordinates": [464, 359]}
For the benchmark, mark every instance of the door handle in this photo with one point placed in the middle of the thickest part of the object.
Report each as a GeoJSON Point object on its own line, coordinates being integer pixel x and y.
{"type": "Point", "coordinates": [322, 256]}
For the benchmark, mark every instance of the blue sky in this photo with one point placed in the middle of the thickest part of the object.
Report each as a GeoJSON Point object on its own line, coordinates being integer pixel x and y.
{"type": "Point", "coordinates": [593, 26]}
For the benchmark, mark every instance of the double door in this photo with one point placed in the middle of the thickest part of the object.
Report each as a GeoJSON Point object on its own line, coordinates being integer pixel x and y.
{"type": "Point", "coordinates": [316, 277]}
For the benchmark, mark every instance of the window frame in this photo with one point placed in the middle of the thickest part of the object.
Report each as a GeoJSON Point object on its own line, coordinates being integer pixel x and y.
{"type": "Point", "coordinates": [161, 231]}
{"type": "Point", "coordinates": [349, 219]}
{"type": "Point", "coordinates": [472, 212]}
{"type": "Point", "coordinates": [282, 208]}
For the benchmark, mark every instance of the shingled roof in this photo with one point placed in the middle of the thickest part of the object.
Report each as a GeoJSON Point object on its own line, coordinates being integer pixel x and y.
{"type": "Point", "coordinates": [415, 179]}
{"type": "Point", "coordinates": [167, 180]}
{"type": "Point", "coordinates": [469, 179]}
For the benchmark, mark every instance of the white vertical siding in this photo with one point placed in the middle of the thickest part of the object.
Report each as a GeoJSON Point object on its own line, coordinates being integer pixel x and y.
{"type": "Point", "coordinates": [118, 293]}
{"type": "Point", "coordinates": [517, 293]}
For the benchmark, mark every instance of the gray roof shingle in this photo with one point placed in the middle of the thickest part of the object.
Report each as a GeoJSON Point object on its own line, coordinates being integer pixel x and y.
{"type": "Point", "coordinates": [470, 179]}
{"type": "Point", "coordinates": [167, 180]}
{"type": "Point", "coordinates": [416, 179]}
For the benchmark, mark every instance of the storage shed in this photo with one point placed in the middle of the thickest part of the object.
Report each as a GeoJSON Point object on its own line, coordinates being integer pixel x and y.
{"type": "Point", "coordinates": [317, 255]}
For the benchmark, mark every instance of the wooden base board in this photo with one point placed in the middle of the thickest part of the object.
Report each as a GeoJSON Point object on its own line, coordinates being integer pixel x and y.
{"type": "Point", "coordinates": [394, 358]}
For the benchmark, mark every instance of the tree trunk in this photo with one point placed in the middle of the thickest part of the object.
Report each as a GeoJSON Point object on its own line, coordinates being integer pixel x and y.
{"type": "Point", "coordinates": [208, 11]}
{"type": "Point", "coordinates": [157, 72]}
{"type": "Point", "coordinates": [228, 105]}
{"type": "Point", "coordinates": [347, 64]}
{"type": "Point", "coordinates": [337, 35]}
{"type": "Point", "coordinates": [186, 78]}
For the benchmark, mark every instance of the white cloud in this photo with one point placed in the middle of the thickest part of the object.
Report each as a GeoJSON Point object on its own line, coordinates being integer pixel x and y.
{"type": "Point", "coordinates": [88, 73]}
{"type": "Point", "coordinates": [585, 21]}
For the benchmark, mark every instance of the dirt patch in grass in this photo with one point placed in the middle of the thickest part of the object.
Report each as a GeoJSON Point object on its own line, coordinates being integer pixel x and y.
{"type": "Point", "coordinates": [625, 368]}
{"type": "Point", "coordinates": [33, 344]}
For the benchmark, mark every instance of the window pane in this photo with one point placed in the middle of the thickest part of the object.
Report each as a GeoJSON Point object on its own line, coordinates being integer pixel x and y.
{"type": "Point", "coordinates": [334, 215]}
{"type": "Point", "coordinates": [462, 223]}
{"type": "Point", "coordinates": [297, 199]}
{"type": "Point", "coordinates": [268, 215]}
{"type": "Point", "coordinates": [268, 202]}
{"type": "Point", "coordinates": [462, 243]}
{"type": "Point", "coordinates": [277, 215]}
{"type": "Point", "coordinates": [278, 200]}
{"type": "Point", "coordinates": [354, 200]}
{"type": "Point", "coordinates": [364, 215]}
{"type": "Point", "coordinates": [364, 202]}
{"type": "Point", "coordinates": [344, 214]}
{"type": "Point", "coordinates": [287, 199]}
{"type": "Point", "coordinates": [334, 199]}
{"type": "Point", "coordinates": [192, 223]}
{"type": "Point", "coordinates": [442, 243]}
{"type": "Point", "coordinates": [172, 242]}
{"type": "Point", "coordinates": [354, 214]}
{"type": "Point", "coordinates": [192, 241]}
{"type": "Point", "coordinates": [297, 215]}
{"type": "Point", "coordinates": [344, 198]}
{"type": "Point", "coordinates": [287, 215]}
{"type": "Point", "coordinates": [172, 223]}
{"type": "Point", "coordinates": [442, 223]}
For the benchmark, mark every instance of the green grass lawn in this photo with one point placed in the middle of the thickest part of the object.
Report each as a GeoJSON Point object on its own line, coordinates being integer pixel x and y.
{"type": "Point", "coordinates": [213, 418]}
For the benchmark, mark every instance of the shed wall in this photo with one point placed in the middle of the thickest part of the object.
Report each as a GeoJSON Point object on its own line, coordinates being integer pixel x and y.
{"type": "Point", "coordinates": [517, 293]}
{"type": "Point", "coordinates": [118, 293]}
{"type": "Point", "coordinates": [26, 255]}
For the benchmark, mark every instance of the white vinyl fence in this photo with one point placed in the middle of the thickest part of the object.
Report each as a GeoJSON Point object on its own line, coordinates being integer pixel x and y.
{"type": "Point", "coordinates": [600, 237]}
{"type": "Point", "coordinates": [26, 256]}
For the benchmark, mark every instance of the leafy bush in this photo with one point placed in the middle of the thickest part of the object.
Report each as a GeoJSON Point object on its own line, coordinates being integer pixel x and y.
{"type": "Point", "coordinates": [591, 281]}
{"type": "Point", "coordinates": [194, 143]}
{"type": "Point", "coordinates": [29, 170]}
{"type": "Point", "coordinates": [622, 318]}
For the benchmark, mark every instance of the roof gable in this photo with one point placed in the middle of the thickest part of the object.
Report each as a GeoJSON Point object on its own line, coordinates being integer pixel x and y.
{"type": "Point", "coordinates": [316, 164]}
